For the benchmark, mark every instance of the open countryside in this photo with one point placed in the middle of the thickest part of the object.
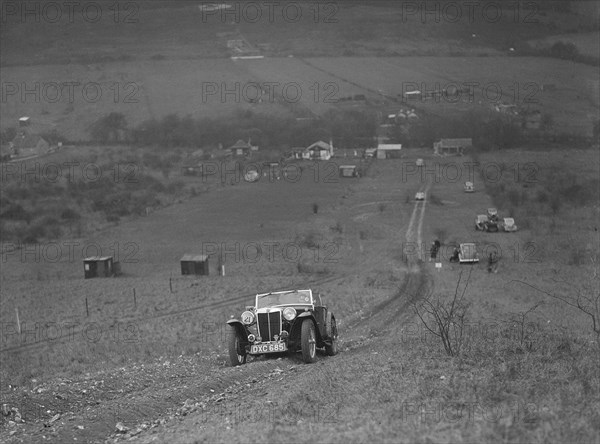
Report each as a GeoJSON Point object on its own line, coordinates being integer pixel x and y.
{"type": "Point", "coordinates": [436, 183]}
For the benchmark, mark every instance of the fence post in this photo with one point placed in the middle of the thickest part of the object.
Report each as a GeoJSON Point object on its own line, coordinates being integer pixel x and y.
{"type": "Point", "coordinates": [18, 320]}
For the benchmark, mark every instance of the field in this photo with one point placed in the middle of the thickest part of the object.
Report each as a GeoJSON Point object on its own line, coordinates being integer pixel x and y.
{"type": "Point", "coordinates": [430, 350]}
{"type": "Point", "coordinates": [188, 71]}
{"type": "Point", "coordinates": [152, 89]}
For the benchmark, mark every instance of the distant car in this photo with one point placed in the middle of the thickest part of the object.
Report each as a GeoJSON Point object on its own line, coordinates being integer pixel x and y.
{"type": "Point", "coordinates": [283, 321]}
{"type": "Point", "coordinates": [420, 196]}
{"type": "Point", "coordinates": [484, 223]}
{"type": "Point", "coordinates": [509, 224]}
{"type": "Point", "coordinates": [251, 176]}
{"type": "Point", "coordinates": [469, 187]}
{"type": "Point", "coordinates": [468, 253]}
{"type": "Point", "coordinates": [420, 162]}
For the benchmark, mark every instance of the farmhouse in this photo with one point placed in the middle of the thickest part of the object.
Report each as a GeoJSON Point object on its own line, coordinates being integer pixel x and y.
{"type": "Point", "coordinates": [388, 151]}
{"type": "Point", "coordinates": [26, 145]}
{"type": "Point", "coordinates": [99, 266]}
{"type": "Point", "coordinates": [194, 264]}
{"type": "Point", "coordinates": [451, 147]}
{"type": "Point", "coordinates": [242, 149]}
{"type": "Point", "coordinates": [27, 142]}
{"type": "Point", "coordinates": [318, 151]}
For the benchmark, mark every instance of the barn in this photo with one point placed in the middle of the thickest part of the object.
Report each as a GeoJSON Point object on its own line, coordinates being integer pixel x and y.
{"type": "Point", "coordinates": [194, 264]}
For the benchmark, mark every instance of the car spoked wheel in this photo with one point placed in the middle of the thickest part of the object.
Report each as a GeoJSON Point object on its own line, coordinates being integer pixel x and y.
{"type": "Point", "coordinates": [332, 349]}
{"type": "Point", "coordinates": [308, 341]}
{"type": "Point", "coordinates": [237, 353]}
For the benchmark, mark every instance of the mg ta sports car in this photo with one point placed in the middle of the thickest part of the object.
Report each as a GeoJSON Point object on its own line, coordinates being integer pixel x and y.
{"type": "Point", "coordinates": [283, 321]}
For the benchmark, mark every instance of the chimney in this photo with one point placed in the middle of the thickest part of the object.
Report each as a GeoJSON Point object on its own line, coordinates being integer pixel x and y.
{"type": "Point", "coordinates": [331, 146]}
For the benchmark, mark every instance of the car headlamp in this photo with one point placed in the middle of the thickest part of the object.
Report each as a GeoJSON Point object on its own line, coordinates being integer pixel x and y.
{"type": "Point", "coordinates": [289, 313]}
{"type": "Point", "coordinates": [248, 318]}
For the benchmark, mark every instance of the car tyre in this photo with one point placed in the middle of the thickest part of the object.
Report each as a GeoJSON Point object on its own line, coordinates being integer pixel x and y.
{"type": "Point", "coordinates": [237, 353]}
{"type": "Point", "coordinates": [308, 341]}
{"type": "Point", "coordinates": [331, 329]}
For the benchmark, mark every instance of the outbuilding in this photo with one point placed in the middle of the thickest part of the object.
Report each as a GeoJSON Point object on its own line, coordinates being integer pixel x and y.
{"type": "Point", "coordinates": [451, 147]}
{"type": "Point", "coordinates": [348, 171]}
{"type": "Point", "coordinates": [98, 266]}
{"type": "Point", "coordinates": [389, 151]}
{"type": "Point", "coordinates": [194, 264]}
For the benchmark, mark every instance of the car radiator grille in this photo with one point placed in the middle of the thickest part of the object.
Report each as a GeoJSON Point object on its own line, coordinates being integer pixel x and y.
{"type": "Point", "coordinates": [269, 325]}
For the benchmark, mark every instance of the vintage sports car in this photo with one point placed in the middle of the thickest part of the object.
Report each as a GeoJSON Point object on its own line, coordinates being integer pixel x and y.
{"type": "Point", "coordinates": [283, 321]}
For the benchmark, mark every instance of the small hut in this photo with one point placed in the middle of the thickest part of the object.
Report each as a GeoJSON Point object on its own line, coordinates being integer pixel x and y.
{"type": "Point", "coordinates": [98, 266]}
{"type": "Point", "coordinates": [348, 171]}
{"type": "Point", "coordinates": [194, 264]}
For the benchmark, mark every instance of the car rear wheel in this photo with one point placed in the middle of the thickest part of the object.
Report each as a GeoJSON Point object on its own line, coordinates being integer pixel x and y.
{"type": "Point", "coordinates": [237, 353]}
{"type": "Point", "coordinates": [332, 349]}
{"type": "Point", "coordinates": [308, 341]}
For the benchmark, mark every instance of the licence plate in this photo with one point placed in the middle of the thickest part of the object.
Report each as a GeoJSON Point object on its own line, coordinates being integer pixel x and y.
{"type": "Point", "coordinates": [273, 347]}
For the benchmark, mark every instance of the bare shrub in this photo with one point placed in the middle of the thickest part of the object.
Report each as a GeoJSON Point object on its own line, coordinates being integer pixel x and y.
{"type": "Point", "coordinates": [446, 319]}
{"type": "Point", "coordinates": [583, 296]}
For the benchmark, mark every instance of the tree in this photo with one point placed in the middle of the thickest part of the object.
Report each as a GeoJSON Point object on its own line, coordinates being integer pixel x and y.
{"type": "Point", "coordinates": [565, 51]}
{"type": "Point", "coordinates": [8, 135]}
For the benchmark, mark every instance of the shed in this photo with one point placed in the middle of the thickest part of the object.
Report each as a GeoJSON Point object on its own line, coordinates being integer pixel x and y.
{"type": "Point", "coordinates": [194, 264]}
{"type": "Point", "coordinates": [388, 151]}
{"type": "Point", "coordinates": [348, 171]}
{"type": "Point", "coordinates": [455, 147]}
{"type": "Point", "coordinates": [98, 266]}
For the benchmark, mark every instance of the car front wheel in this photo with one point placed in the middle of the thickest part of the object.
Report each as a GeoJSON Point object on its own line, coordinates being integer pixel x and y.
{"type": "Point", "coordinates": [237, 353]}
{"type": "Point", "coordinates": [308, 341]}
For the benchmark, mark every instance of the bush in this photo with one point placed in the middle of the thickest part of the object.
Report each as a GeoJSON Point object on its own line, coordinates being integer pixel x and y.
{"type": "Point", "coordinates": [16, 212]}
{"type": "Point", "coordinates": [564, 50]}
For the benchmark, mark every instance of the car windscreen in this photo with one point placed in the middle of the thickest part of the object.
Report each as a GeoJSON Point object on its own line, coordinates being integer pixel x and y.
{"type": "Point", "coordinates": [299, 297]}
